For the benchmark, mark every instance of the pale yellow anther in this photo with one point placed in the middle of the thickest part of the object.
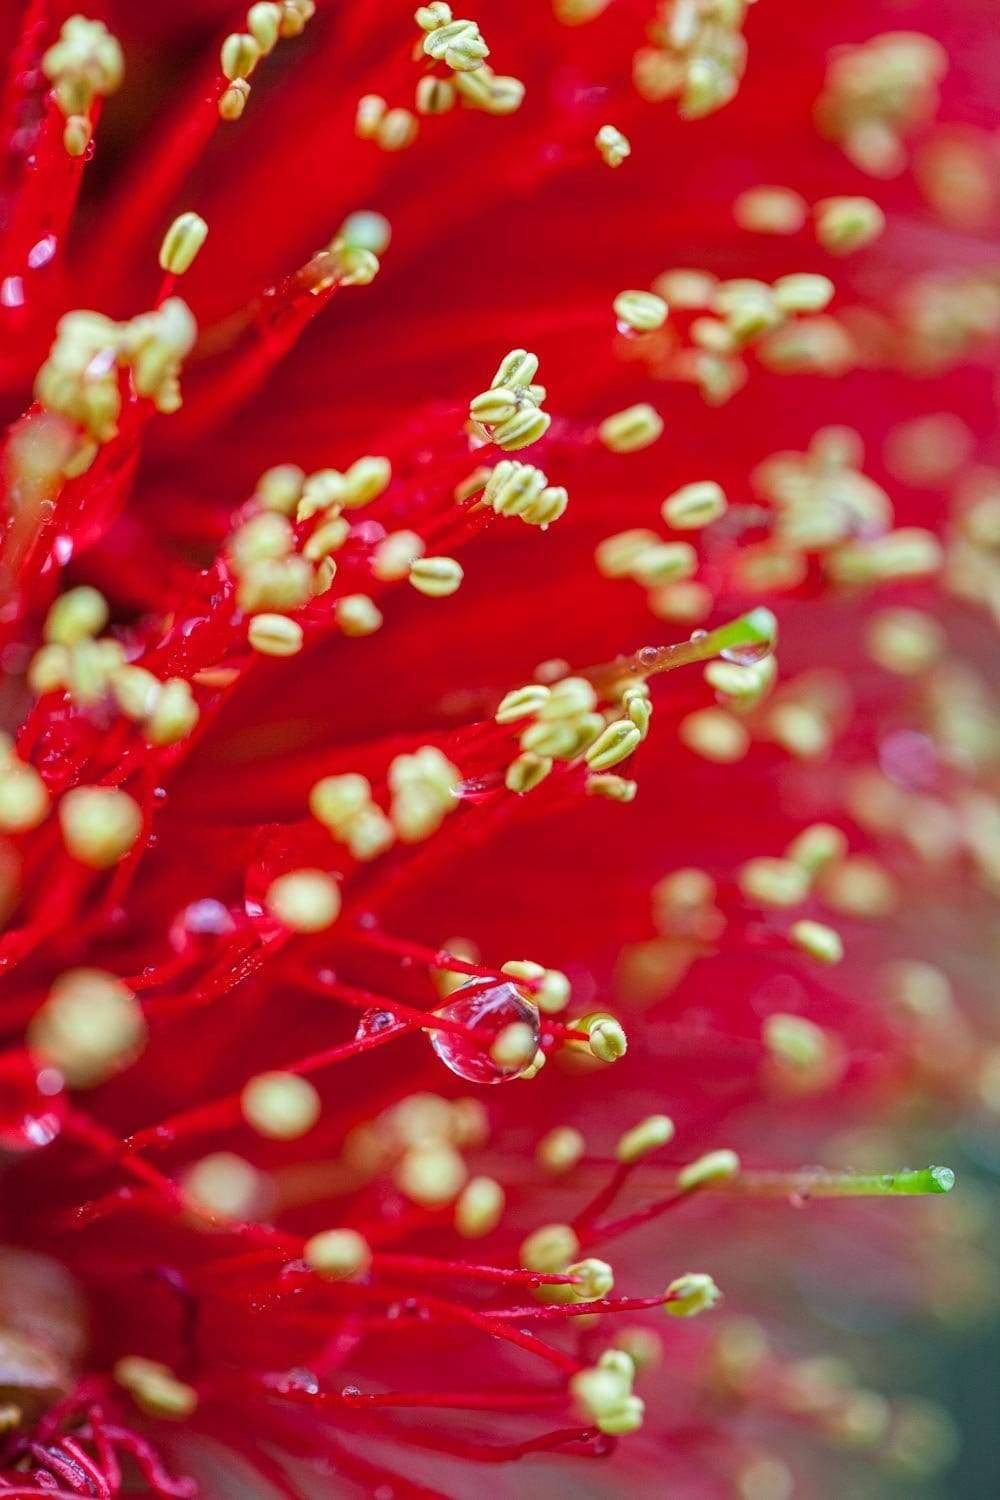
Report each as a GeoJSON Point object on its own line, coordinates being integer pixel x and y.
{"type": "Point", "coordinates": [641, 311]}
{"type": "Point", "coordinates": [338, 1254]}
{"type": "Point", "coordinates": [99, 824]}
{"type": "Point", "coordinates": [85, 62]}
{"type": "Point", "coordinates": [264, 537]}
{"type": "Point", "coordinates": [514, 1046]}
{"type": "Point", "coordinates": [397, 129]}
{"type": "Point", "coordinates": [479, 1207]}
{"type": "Point", "coordinates": [182, 242]}
{"type": "Point", "coordinates": [365, 480]}
{"type": "Point", "coordinates": [233, 100]}
{"type": "Point", "coordinates": [239, 56]}
{"type": "Point", "coordinates": [714, 336]}
{"type": "Point", "coordinates": [323, 490]}
{"type": "Point", "coordinates": [280, 488]}
{"type": "Point", "coordinates": [744, 685]}
{"type": "Point", "coordinates": [459, 44]}
{"type": "Point", "coordinates": [430, 17]}
{"type": "Point", "coordinates": [553, 992]}
{"type": "Point", "coordinates": [612, 788]}
{"type": "Point", "coordinates": [304, 900]}
{"type": "Point", "coordinates": [89, 1027]}
{"type": "Point", "coordinates": [577, 12]}
{"type": "Point", "coordinates": [525, 427]}
{"type": "Point", "coordinates": [516, 370]}
{"type": "Point", "coordinates": [603, 1395]}
{"type": "Point", "coordinates": [357, 615]}
{"type": "Point", "coordinates": [770, 210]}
{"type": "Point", "coordinates": [695, 505]}
{"type": "Point", "coordinates": [224, 1186]}
{"type": "Point", "coordinates": [665, 562]}
{"type": "Point", "coordinates": [370, 834]}
{"type": "Point", "coordinates": [281, 1106]}
{"type": "Point", "coordinates": [816, 847]}
{"type": "Point", "coordinates": [436, 577]}
{"type": "Point", "coordinates": [595, 1276]}
{"type": "Point", "coordinates": [560, 1150]}
{"type": "Point", "coordinates": [748, 307]}
{"type": "Point", "coordinates": [135, 691]}
{"type": "Point", "coordinates": [801, 1049]}
{"type": "Point", "coordinates": [859, 887]}
{"type": "Point", "coordinates": [632, 429]}
{"type": "Point", "coordinates": [75, 615]}
{"type": "Point", "coordinates": [715, 735]}
{"type": "Point", "coordinates": [527, 771]}
{"type": "Point", "coordinates": [468, 1119]}
{"type": "Point", "coordinates": [613, 146]}
{"type": "Point", "coordinates": [369, 115]}
{"type": "Point", "coordinates": [275, 635]}
{"type": "Point", "coordinates": [24, 800]}
{"type": "Point", "coordinates": [774, 882]}
{"type": "Point", "coordinates": [803, 292]}
{"type": "Point", "coordinates": [366, 230]}
{"type": "Point", "coordinates": [649, 1135]}
{"type": "Point", "coordinates": [607, 1039]}
{"type": "Point", "coordinates": [713, 1167]}
{"type": "Point", "coordinates": [48, 670]}
{"type": "Point", "coordinates": [155, 1388]}
{"type": "Point", "coordinates": [294, 16]}
{"type": "Point", "coordinates": [550, 1248]}
{"type": "Point", "coordinates": [328, 537]}
{"type": "Point", "coordinates": [687, 288]}
{"type": "Point", "coordinates": [264, 25]}
{"type": "Point", "coordinates": [618, 556]}
{"type": "Point", "coordinates": [799, 729]}
{"type": "Point", "coordinates": [345, 264]}
{"type": "Point", "coordinates": [77, 135]}
{"type": "Point", "coordinates": [435, 96]}
{"type": "Point", "coordinates": [568, 697]}
{"type": "Point", "coordinates": [521, 703]}
{"type": "Point", "coordinates": [905, 641]}
{"type": "Point", "coordinates": [615, 744]}
{"type": "Point", "coordinates": [640, 712]}
{"type": "Point", "coordinates": [548, 507]}
{"type": "Point", "coordinates": [909, 552]}
{"type": "Point", "coordinates": [493, 406]}
{"type": "Point", "coordinates": [918, 990]}
{"type": "Point", "coordinates": [392, 557]}
{"type": "Point", "coordinates": [847, 224]}
{"type": "Point", "coordinates": [691, 1294]}
{"type": "Point", "coordinates": [431, 1174]}
{"type": "Point", "coordinates": [174, 713]}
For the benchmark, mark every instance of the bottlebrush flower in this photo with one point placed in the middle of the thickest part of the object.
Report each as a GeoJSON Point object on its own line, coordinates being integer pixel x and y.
{"type": "Point", "coordinates": [419, 876]}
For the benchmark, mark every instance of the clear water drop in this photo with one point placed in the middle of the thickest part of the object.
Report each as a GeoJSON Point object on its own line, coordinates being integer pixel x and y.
{"type": "Point", "coordinates": [372, 1022]}
{"type": "Point", "coordinates": [32, 1104]}
{"type": "Point", "coordinates": [747, 656]}
{"type": "Point", "coordinates": [488, 1008]}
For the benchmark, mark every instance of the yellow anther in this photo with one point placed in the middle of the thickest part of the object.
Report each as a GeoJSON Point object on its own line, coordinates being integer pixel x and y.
{"type": "Point", "coordinates": [431, 1174]}
{"type": "Point", "coordinates": [469, 1122]}
{"type": "Point", "coordinates": [525, 427]}
{"type": "Point", "coordinates": [232, 101]}
{"type": "Point", "coordinates": [918, 990]}
{"type": "Point", "coordinates": [612, 788]}
{"type": "Point", "coordinates": [607, 1039]}
{"type": "Point", "coordinates": [603, 1395]}
{"type": "Point", "coordinates": [748, 307]}
{"type": "Point", "coordinates": [48, 670]}
{"type": "Point", "coordinates": [596, 1279]}
{"type": "Point", "coordinates": [714, 1166]}
{"type": "Point", "coordinates": [304, 900]}
{"type": "Point", "coordinates": [280, 488]}
{"type": "Point", "coordinates": [344, 264]}
{"type": "Point", "coordinates": [99, 824]}
{"type": "Point", "coordinates": [687, 288]}
{"type": "Point", "coordinates": [516, 370]}
{"type": "Point", "coordinates": [846, 224]}
{"type": "Point", "coordinates": [435, 96]}
{"type": "Point", "coordinates": [155, 1388]}
{"type": "Point", "coordinates": [397, 129]}
{"type": "Point", "coordinates": [224, 1186]}
{"type": "Point", "coordinates": [770, 210]}
{"type": "Point", "coordinates": [613, 146]}
{"type": "Point", "coordinates": [909, 552]}
{"type": "Point", "coordinates": [357, 615]}
{"type": "Point", "coordinates": [640, 712]}
{"type": "Point", "coordinates": [182, 242]}
{"type": "Point", "coordinates": [264, 25]}
{"type": "Point", "coordinates": [365, 480]}
{"type": "Point", "coordinates": [392, 557]}
{"type": "Point", "coordinates": [816, 847]}
{"type": "Point", "coordinates": [859, 887]}
{"type": "Point", "coordinates": [521, 703]}
{"type": "Point", "coordinates": [641, 311]}
{"type": "Point", "coordinates": [690, 1294]}
{"type": "Point", "coordinates": [774, 882]}
{"type": "Point", "coordinates": [552, 994]}
{"type": "Point", "coordinates": [525, 773]}
{"type": "Point", "coordinates": [430, 17]}
{"type": "Point", "coordinates": [666, 562]}
{"type": "Point", "coordinates": [512, 487]}
{"type": "Point", "coordinates": [239, 56]}
{"type": "Point", "coordinates": [549, 506]}
{"type": "Point", "coordinates": [799, 729]}
{"type": "Point", "coordinates": [281, 1106]}
{"type": "Point", "coordinates": [135, 691]}
{"type": "Point", "coordinates": [85, 62]}
{"type": "Point", "coordinates": [619, 1362]}
{"type": "Point", "coordinates": [649, 1135]}
{"type": "Point", "coordinates": [745, 685]}
{"type": "Point", "coordinates": [803, 292]}
{"type": "Point", "coordinates": [275, 635]}
{"type": "Point", "coordinates": [642, 1345]}
{"type": "Point", "coordinates": [576, 12]}
{"type": "Point", "coordinates": [550, 1248]}
{"type": "Point", "coordinates": [369, 115]}
{"type": "Point", "coordinates": [457, 43]}
{"type": "Point", "coordinates": [493, 406]}
{"type": "Point", "coordinates": [77, 135]}
{"type": "Point", "coordinates": [338, 1254]}
{"type": "Point", "coordinates": [323, 490]}
{"type": "Point", "coordinates": [616, 744]}
{"type": "Point", "coordinates": [514, 1046]}
{"type": "Point", "coordinates": [905, 641]}
{"type": "Point", "coordinates": [568, 697]}
{"type": "Point", "coordinates": [75, 615]}
{"type": "Point", "coordinates": [328, 537]}
{"type": "Point", "coordinates": [174, 713]}
{"type": "Point", "coordinates": [24, 800]}
{"type": "Point", "coordinates": [436, 576]}
{"type": "Point", "coordinates": [714, 735]}
{"type": "Point", "coordinates": [802, 1049]}
{"type": "Point", "coordinates": [617, 556]}
{"type": "Point", "coordinates": [89, 1027]}
{"type": "Point", "coordinates": [560, 1150]}
{"type": "Point", "coordinates": [294, 16]}
{"type": "Point", "coordinates": [370, 834]}
{"type": "Point", "coordinates": [263, 537]}
{"type": "Point", "coordinates": [694, 506]}
{"type": "Point", "coordinates": [366, 230]}
{"type": "Point", "coordinates": [629, 430]}
{"type": "Point", "coordinates": [479, 1207]}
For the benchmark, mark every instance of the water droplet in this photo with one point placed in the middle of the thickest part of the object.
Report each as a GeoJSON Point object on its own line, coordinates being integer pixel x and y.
{"type": "Point", "coordinates": [372, 1022]}
{"type": "Point", "coordinates": [648, 656]}
{"type": "Point", "coordinates": [196, 929]}
{"type": "Point", "coordinates": [699, 635]}
{"type": "Point", "coordinates": [488, 1008]}
{"type": "Point", "coordinates": [32, 1104]}
{"type": "Point", "coordinates": [746, 656]}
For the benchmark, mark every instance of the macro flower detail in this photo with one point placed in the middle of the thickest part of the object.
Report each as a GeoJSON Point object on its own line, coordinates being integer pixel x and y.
{"type": "Point", "coordinates": [489, 869]}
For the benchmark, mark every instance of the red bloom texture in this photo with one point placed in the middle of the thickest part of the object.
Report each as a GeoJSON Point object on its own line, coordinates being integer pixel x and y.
{"type": "Point", "coordinates": [498, 820]}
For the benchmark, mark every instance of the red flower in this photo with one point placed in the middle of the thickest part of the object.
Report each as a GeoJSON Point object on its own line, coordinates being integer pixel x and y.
{"type": "Point", "coordinates": [345, 783]}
